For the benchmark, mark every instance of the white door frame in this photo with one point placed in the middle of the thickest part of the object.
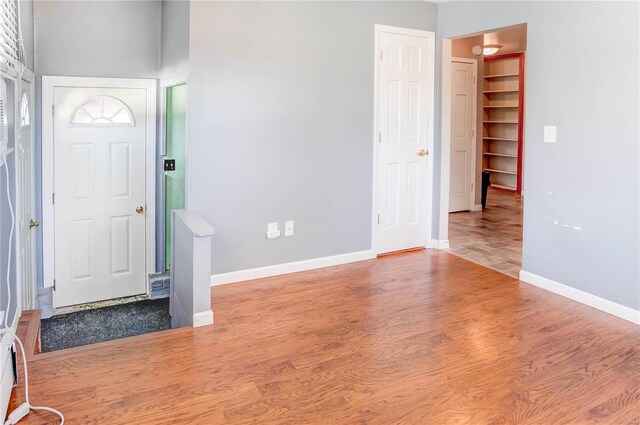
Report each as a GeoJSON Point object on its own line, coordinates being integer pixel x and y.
{"type": "Point", "coordinates": [29, 77]}
{"type": "Point", "coordinates": [445, 144]}
{"type": "Point", "coordinates": [162, 137]}
{"type": "Point", "coordinates": [474, 126]}
{"type": "Point", "coordinates": [430, 36]}
{"type": "Point", "coordinates": [48, 85]}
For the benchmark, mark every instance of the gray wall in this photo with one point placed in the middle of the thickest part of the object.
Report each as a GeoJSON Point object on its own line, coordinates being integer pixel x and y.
{"type": "Point", "coordinates": [174, 46]}
{"type": "Point", "coordinates": [98, 38]}
{"type": "Point", "coordinates": [26, 21]}
{"type": "Point", "coordinates": [582, 202]}
{"type": "Point", "coordinates": [280, 124]}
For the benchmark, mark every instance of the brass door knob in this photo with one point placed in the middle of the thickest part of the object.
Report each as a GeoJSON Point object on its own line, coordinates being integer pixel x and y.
{"type": "Point", "coordinates": [33, 224]}
{"type": "Point", "coordinates": [139, 209]}
{"type": "Point", "coordinates": [423, 152]}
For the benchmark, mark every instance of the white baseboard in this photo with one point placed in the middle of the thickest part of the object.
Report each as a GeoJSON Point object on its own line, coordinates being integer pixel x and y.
{"type": "Point", "coordinates": [477, 207]}
{"type": "Point", "coordinates": [586, 298]}
{"type": "Point", "coordinates": [440, 244]}
{"type": "Point", "coordinates": [203, 318]}
{"type": "Point", "coordinates": [296, 266]}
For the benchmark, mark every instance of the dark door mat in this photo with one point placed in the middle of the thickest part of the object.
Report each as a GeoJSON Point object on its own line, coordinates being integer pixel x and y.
{"type": "Point", "coordinates": [104, 324]}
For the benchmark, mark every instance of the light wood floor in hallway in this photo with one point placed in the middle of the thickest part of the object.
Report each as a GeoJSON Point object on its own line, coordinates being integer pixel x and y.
{"type": "Point", "coordinates": [492, 237]}
{"type": "Point", "coordinates": [416, 338]}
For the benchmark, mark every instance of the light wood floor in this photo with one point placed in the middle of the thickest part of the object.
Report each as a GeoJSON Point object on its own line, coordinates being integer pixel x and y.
{"type": "Point", "coordinates": [492, 237]}
{"type": "Point", "coordinates": [416, 338]}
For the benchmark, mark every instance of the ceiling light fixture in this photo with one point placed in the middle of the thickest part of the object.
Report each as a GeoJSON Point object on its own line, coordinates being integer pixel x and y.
{"type": "Point", "coordinates": [490, 50]}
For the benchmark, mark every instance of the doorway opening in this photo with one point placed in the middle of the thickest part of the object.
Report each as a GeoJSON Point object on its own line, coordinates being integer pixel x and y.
{"type": "Point", "coordinates": [98, 187]}
{"type": "Point", "coordinates": [174, 160]}
{"type": "Point", "coordinates": [171, 180]}
{"type": "Point", "coordinates": [483, 147]}
{"type": "Point", "coordinates": [99, 209]}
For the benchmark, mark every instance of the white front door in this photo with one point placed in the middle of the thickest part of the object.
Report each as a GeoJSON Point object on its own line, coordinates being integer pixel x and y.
{"type": "Point", "coordinates": [403, 135]}
{"type": "Point", "coordinates": [463, 104]}
{"type": "Point", "coordinates": [27, 222]}
{"type": "Point", "coordinates": [99, 185]}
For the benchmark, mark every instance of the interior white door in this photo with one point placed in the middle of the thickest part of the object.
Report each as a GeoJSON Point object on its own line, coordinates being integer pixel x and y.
{"type": "Point", "coordinates": [403, 137]}
{"type": "Point", "coordinates": [461, 182]}
{"type": "Point", "coordinates": [27, 223]}
{"type": "Point", "coordinates": [99, 186]}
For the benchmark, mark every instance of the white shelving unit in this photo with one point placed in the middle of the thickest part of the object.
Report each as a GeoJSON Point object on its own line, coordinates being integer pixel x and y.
{"type": "Point", "coordinates": [502, 120]}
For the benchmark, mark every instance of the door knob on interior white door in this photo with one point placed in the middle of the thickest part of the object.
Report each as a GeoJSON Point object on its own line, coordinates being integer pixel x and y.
{"type": "Point", "coordinates": [139, 209]}
{"type": "Point", "coordinates": [33, 224]}
{"type": "Point", "coordinates": [423, 152]}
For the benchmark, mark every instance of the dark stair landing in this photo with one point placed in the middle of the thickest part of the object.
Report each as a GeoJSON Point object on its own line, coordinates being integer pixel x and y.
{"type": "Point", "coordinates": [104, 324]}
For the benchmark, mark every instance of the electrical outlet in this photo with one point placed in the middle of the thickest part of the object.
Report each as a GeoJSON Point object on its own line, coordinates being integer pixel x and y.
{"type": "Point", "coordinates": [272, 231]}
{"type": "Point", "coordinates": [288, 228]}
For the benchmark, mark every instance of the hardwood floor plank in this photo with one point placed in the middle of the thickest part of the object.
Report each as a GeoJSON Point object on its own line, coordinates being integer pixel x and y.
{"type": "Point", "coordinates": [414, 338]}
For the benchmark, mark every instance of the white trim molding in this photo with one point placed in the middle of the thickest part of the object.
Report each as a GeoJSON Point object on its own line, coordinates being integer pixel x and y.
{"type": "Point", "coordinates": [285, 268]}
{"type": "Point", "coordinates": [618, 310]}
{"type": "Point", "coordinates": [203, 318]}
{"type": "Point", "coordinates": [440, 244]}
{"type": "Point", "coordinates": [445, 139]}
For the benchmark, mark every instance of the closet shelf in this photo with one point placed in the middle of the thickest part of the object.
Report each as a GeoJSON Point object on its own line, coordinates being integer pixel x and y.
{"type": "Point", "coordinates": [501, 186]}
{"type": "Point", "coordinates": [501, 154]}
{"type": "Point", "coordinates": [488, 77]}
{"type": "Point", "coordinates": [501, 139]}
{"type": "Point", "coordinates": [500, 91]}
{"type": "Point", "coordinates": [502, 120]}
{"type": "Point", "coordinates": [493, 170]}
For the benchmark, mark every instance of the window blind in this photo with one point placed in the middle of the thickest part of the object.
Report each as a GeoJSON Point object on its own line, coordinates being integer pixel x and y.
{"type": "Point", "coordinates": [4, 127]}
{"type": "Point", "coordinates": [9, 56]}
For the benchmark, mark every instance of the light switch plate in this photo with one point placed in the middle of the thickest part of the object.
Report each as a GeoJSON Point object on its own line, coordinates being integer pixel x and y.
{"type": "Point", "coordinates": [549, 133]}
{"type": "Point", "coordinates": [288, 228]}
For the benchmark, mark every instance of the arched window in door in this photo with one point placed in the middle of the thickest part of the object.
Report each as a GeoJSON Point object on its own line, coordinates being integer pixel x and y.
{"type": "Point", "coordinates": [102, 111]}
{"type": "Point", "coordinates": [25, 113]}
